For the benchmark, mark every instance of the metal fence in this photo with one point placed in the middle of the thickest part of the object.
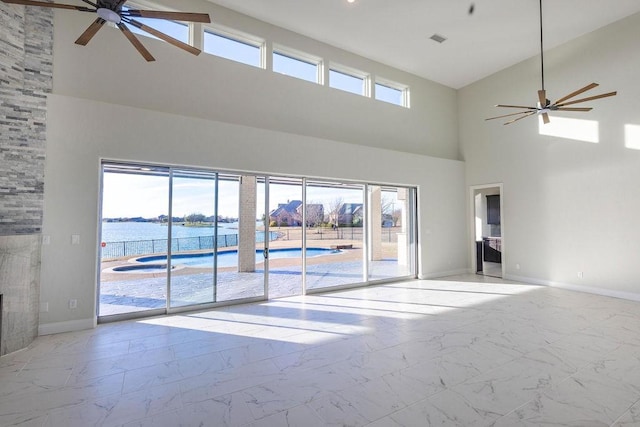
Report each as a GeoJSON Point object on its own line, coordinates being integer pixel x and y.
{"type": "Point", "coordinates": [388, 235]}
{"type": "Point", "coordinates": [143, 247]}
{"type": "Point", "coordinates": [155, 246]}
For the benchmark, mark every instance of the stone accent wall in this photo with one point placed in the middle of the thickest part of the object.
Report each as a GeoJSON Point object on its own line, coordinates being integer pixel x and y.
{"type": "Point", "coordinates": [26, 65]}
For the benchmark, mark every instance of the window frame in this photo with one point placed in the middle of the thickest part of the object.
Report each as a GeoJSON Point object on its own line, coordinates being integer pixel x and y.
{"type": "Point", "coordinates": [351, 72]}
{"type": "Point", "coordinates": [390, 84]}
{"type": "Point", "coordinates": [238, 37]}
{"type": "Point", "coordinates": [300, 56]}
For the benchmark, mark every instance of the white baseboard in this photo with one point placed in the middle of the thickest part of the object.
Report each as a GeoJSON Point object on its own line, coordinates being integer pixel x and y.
{"type": "Point", "coordinates": [69, 326]}
{"type": "Point", "coordinates": [578, 288]}
{"type": "Point", "coordinates": [443, 274]}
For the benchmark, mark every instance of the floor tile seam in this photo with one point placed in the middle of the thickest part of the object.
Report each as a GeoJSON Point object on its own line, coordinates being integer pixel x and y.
{"type": "Point", "coordinates": [231, 391]}
{"type": "Point", "coordinates": [390, 414]}
{"type": "Point", "coordinates": [271, 357]}
{"type": "Point", "coordinates": [160, 413]}
{"type": "Point", "coordinates": [333, 393]}
{"type": "Point", "coordinates": [97, 378]}
{"type": "Point", "coordinates": [492, 414]}
{"type": "Point", "coordinates": [251, 423]}
{"type": "Point", "coordinates": [625, 412]}
{"type": "Point", "coordinates": [497, 368]}
{"type": "Point", "coordinates": [89, 402]}
{"type": "Point", "coordinates": [514, 410]}
{"type": "Point", "coordinates": [497, 416]}
{"type": "Point", "coordinates": [178, 379]}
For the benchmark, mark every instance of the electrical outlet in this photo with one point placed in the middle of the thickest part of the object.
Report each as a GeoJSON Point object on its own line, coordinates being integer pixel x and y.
{"type": "Point", "coordinates": [46, 240]}
{"type": "Point", "coordinates": [75, 239]}
{"type": "Point", "coordinates": [73, 304]}
{"type": "Point", "coordinates": [580, 275]}
{"type": "Point", "coordinates": [517, 266]}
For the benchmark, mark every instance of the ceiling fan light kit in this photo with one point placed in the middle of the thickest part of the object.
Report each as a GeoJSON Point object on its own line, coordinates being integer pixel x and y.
{"type": "Point", "coordinates": [112, 11]}
{"type": "Point", "coordinates": [544, 106]}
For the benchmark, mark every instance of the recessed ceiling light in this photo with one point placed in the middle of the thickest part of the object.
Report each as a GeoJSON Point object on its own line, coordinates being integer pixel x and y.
{"type": "Point", "coordinates": [438, 38]}
{"type": "Point", "coordinates": [351, 1]}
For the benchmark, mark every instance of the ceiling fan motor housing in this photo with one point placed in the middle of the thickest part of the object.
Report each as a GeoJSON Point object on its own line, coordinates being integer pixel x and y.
{"type": "Point", "coordinates": [109, 15]}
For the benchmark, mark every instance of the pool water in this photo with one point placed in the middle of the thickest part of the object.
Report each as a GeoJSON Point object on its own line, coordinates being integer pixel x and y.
{"type": "Point", "coordinates": [230, 258]}
{"type": "Point", "coordinates": [142, 268]}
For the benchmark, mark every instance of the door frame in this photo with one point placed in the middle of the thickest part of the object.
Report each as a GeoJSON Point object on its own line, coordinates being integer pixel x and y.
{"type": "Point", "coordinates": [472, 225]}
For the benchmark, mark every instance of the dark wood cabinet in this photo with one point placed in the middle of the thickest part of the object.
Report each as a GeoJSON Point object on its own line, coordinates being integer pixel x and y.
{"type": "Point", "coordinates": [492, 248]}
{"type": "Point", "coordinates": [493, 210]}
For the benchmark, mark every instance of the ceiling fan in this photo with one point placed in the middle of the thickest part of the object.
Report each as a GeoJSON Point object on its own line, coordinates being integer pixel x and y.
{"type": "Point", "coordinates": [112, 11]}
{"type": "Point", "coordinates": [544, 105]}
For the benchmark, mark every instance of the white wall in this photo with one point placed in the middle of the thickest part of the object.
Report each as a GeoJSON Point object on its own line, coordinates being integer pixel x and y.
{"type": "Point", "coordinates": [110, 69]}
{"type": "Point", "coordinates": [108, 103]}
{"type": "Point", "coordinates": [81, 132]}
{"type": "Point", "coordinates": [569, 206]}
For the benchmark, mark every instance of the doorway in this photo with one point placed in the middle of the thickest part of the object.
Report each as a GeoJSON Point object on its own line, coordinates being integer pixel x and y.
{"type": "Point", "coordinates": [487, 220]}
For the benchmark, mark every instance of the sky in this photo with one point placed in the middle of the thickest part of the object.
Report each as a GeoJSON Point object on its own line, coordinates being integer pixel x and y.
{"type": "Point", "coordinates": [147, 196]}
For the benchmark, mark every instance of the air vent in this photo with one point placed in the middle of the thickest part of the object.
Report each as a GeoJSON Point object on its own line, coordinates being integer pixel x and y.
{"type": "Point", "coordinates": [438, 38]}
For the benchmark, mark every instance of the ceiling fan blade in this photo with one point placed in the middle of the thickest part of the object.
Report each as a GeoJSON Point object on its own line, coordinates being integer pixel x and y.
{"type": "Point", "coordinates": [545, 118]}
{"type": "Point", "coordinates": [575, 109]}
{"type": "Point", "coordinates": [519, 118]}
{"type": "Point", "coordinates": [135, 42]}
{"type": "Point", "coordinates": [174, 16]}
{"type": "Point", "coordinates": [163, 36]}
{"type": "Point", "coordinates": [52, 5]}
{"type": "Point", "coordinates": [604, 95]}
{"type": "Point", "coordinates": [516, 106]}
{"type": "Point", "coordinates": [90, 32]}
{"type": "Point", "coordinates": [542, 98]}
{"type": "Point", "coordinates": [508, 115]}
{"type": "Point", "coordinates": [577, 92]}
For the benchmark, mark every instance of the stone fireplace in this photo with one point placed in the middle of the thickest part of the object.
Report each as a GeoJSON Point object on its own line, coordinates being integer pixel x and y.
{"type": "Point", "coordinates": [20, 290]}
{"type": "Point", "coordinates": [26, 63]}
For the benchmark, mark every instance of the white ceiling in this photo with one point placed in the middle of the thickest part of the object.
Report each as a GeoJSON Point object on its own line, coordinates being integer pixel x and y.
{"type": "Point", "coordinates": [498, 34]}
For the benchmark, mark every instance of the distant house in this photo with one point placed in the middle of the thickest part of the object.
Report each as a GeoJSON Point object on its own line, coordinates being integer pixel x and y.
{"type": "Point", "coordinates": [288, 214]}
{"type": "Point", "coordinates": [349, 214]}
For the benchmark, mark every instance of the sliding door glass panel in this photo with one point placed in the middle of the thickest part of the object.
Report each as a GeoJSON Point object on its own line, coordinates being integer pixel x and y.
{"type": "Point", "coordinates": [135, 203]}
{"type": "Point", "coordinates": [390, 236]}
{"type": "Point", "coordinates": [285, 224]}
{"type": "Point", "coordinates": [240, 245]}
{"type": "Point", "coordinates": [192, 235]}
{"type": "Point", "coordinates": [334, 236]}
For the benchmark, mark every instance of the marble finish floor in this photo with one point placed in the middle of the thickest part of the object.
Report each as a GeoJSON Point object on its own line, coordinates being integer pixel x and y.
{"type": "Point", "coordinates": [461, 351]}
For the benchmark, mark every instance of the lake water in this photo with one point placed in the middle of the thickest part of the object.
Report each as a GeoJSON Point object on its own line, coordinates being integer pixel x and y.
{"type": "Point", "coordinates": [120, 239]}
{"type": "Point", "coordinates": [133, 231]}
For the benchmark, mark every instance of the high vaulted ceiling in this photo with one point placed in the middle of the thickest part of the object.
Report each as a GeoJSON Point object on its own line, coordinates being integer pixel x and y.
{"type": "Point", "coordinates": [498, 33]}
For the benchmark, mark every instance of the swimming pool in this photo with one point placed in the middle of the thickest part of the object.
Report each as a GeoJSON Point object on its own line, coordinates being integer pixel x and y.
{"type": "Point", "coordinates": [141, 268]}
{"type": "Point", "coordinates": [230, 258]}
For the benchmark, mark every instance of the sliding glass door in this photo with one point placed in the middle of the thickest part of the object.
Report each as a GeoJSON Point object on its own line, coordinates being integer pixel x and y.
{"type": "Point", "coordinates": [192, 231]}
{"type": "Point", "coordinates": [135, 212]}
{"type": "Point", "coordinates": [240, 242]}
{"type": "Point", "coordinates": [179, 237]}
{"type": "Point", "coordinates": [285, 218]}
{"type": "Point", "coordinates": [391, 246]}
{"type": "Point", "coordinates": [335, 247]}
